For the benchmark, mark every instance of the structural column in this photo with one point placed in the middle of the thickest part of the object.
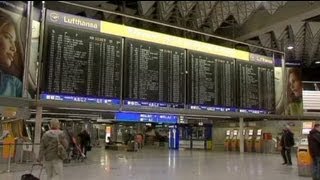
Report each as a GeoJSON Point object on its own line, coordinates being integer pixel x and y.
{"type": "Point", "coordinates": [37, 131]}
{"type": "Point", "coordinates": [241, 135]}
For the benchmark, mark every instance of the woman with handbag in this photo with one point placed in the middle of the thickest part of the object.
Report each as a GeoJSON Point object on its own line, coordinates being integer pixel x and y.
{"type": "Point", "coordinates": [53, 147]}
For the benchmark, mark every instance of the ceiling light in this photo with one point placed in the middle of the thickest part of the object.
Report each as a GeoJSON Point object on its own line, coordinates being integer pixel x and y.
{"type": "Point", "coordinates": [290, 47]}
{"type": "Point", "coordinates": [317, 62]}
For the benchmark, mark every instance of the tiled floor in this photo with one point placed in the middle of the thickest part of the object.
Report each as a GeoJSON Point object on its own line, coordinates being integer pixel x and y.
{"type": "Point", "coordinates": [160, 164]}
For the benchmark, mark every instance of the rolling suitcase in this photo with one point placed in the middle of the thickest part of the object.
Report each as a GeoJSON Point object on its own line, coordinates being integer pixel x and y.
{"type": "Point", "coordinates": [30, 176]}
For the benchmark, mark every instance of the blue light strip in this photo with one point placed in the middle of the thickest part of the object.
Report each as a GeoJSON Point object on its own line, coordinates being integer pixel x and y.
{"type": "Point", "coordinates": [152, 104]}
{"type": "Point", "coordinates": [139, 117]}
{"type": "Point", "coordinates": [253, 111]}
{"type": "Point", "coordinates": [70, 98]}
{"type": "Point", "coordinates": [214, 108]}
{"type": "Point", "coordinates": [146, 117]}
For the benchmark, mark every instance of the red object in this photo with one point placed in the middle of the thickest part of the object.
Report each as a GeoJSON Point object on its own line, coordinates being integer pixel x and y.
{"type": "Point", "coordinates": [267, 136]}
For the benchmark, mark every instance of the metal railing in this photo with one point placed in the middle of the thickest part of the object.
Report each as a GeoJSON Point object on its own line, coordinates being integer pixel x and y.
{"type": "Point", "coordinates": [14, 157]}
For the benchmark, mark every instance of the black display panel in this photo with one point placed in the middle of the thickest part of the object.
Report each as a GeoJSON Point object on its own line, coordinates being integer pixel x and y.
{"type": "Point", "coordinates": [81, 62]}
{"type": "Point", "coordinates": [256, 86]}
{"type": "Point", "coordinates": [211, 80]}
{"type": "Point", "coordinates": [154, 72]}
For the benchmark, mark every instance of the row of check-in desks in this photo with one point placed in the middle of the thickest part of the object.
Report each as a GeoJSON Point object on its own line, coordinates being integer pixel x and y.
{"type": "Point", "coordinates": [253, 141]}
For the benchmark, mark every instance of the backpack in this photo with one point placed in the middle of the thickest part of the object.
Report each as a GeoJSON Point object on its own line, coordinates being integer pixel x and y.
{"type": "Point", "coordinates": [62, 153]}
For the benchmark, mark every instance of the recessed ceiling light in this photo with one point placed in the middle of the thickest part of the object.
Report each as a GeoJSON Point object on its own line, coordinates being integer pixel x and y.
{"type": "Point", "coordinates": [290, 47]}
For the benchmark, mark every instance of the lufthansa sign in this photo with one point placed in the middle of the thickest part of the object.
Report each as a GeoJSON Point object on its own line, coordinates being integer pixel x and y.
{"type": "Point", "coordinates": [73, 21]}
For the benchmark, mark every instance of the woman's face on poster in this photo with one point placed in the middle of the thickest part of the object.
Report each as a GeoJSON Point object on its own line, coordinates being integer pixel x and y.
{"type": "Point", "coordinates": [295, 85]}
{"type": "Point", "coordinates": [7, 45]}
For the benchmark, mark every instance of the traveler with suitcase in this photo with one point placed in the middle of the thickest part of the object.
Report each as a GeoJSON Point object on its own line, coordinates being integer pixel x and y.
{"type": "Point", "coordinates": [53, 147]}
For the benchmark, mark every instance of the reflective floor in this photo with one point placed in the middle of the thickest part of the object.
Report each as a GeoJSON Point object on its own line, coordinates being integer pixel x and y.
{"type": "Point", "coordinates": [160, 164]}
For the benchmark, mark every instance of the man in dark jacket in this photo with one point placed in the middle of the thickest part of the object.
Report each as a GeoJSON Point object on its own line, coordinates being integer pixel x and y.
{"type": "Point", "coordinates": [84, 141]}
{"type": "Point", "coordinates": [314, 149]}
{"type": "Point", "coordinates": [286, 143]}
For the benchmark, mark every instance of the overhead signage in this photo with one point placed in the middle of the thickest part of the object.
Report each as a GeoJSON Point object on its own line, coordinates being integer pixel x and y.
{"type": "Point", "coordinates": [214, 108]}
{"type": "Point", "coordinates": [69, 98]}
{"type": "Point", "coordinates": [145, 35]}
{"type": "Point", "coordinates": [253, 111]}
{"type": "Point", "coordinates": [152, 104]}
{"type": "Point", "coordinates": [148, 118]}
{"type": "Point", "coordinates": [260, 58]}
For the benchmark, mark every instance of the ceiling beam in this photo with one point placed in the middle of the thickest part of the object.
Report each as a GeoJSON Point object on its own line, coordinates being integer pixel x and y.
{"type": "Point", "coordinates": [249, 32]}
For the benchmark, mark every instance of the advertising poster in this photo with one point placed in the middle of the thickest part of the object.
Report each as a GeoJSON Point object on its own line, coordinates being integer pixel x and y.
{"type": "Point", "coordinates": [288, 87]}
{"type": "Point", "coordinates": [12, 47]}
{"type": "Point", "coordinates": [294, 104]}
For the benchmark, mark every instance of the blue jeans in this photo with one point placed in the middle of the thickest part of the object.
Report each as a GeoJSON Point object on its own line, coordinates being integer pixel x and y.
{"type": "Point", "coordinates": [316, 168]}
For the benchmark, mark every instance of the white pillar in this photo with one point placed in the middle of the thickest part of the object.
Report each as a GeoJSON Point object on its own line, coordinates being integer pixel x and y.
{"type": "Point", "coordinates": [241, 135]}
{"type": "Point", "coordinates": [37, 131]}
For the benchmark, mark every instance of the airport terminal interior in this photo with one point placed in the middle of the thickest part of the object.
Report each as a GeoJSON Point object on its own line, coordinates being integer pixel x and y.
{"type": "Point", "coordinates": [180, 90]}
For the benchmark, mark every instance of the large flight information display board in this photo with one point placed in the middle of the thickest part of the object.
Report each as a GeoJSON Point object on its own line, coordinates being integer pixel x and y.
{"type": "Point", "coordinates": [154, 72]}
{"type": "Point", "coordinates": [211, 80]}
{"type": "Point", "coordinates": [256, 86]}
{"type": "Point", "coordinates": [81, 61]}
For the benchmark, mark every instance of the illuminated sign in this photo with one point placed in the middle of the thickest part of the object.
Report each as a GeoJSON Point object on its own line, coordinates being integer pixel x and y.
{"type": "Point", "coordinates": [152, 104]}
{"type": "Point", "coordinates": [144, 35]}
{"type": "Point", "coordinates": [259, 132]}
{"type": "Point", "coordinates": [72, 20]}
{"type": "Point", "coordinates": [108, 133]}
{"type": "Point", "coordinates": [253, 111]}
{"type": "Point", "coordinates": [214, 108]}
{"type": "Point", "coordinates": [250, 132]}
{"type": "Point", "coordinates": [261, 59]}
{"type": "Point", "coordinates": [228, 132]}
{"type": "Point", "coordinates": [69, 98]}
{"type": "Point", "coordinates": [148, 118]}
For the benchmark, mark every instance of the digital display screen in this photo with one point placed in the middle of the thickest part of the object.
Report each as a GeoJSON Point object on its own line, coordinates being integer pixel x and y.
{"type": "Point", "coordinates": [250, 132]}
{"type": "Point", "coordinates": [213, 108]}
{"type": "Point", "coordinates": [148, 118]}
{"type": "Point", "coordinates": [259, 132]}
{"type": "Point", "coordinates": [80, 60]}
{"type": "Point", "coordinates": [152, 104]}
{"type": "Point", "coordinates": [228, 132]}
{"type": "Point", "coordinates": [235, 132]}
{"type": "Point", "coordinates": [70, 98]}
{"type": "Point", "coordinates": [212, 81]}
{"type": "Point", "coordinates": [253, 80]}
{"type": "Point", "coordinates": [154, 72]}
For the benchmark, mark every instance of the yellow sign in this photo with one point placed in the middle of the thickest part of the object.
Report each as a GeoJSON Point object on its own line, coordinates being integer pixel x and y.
{"type": "Point", "coordinates": [165, 39]}
{"type": "Point", "coordinates": [8, 147]}
{"type": "Point", "coordinates": [144, 35]}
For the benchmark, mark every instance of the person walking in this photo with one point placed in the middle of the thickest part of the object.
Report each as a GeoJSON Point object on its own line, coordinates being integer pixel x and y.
{"type": "Point", "coordinates": [50, 148]}
{"type": "Point", "coordinates": [85, 141]}
{"type": "Point", "coordinates": [286, 143]}
{"type": "Point", "coordinates": [314, 149]}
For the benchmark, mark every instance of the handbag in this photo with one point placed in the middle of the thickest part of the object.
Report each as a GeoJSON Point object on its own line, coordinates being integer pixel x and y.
{"type": "Point", "coordinates": [62, 153]}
